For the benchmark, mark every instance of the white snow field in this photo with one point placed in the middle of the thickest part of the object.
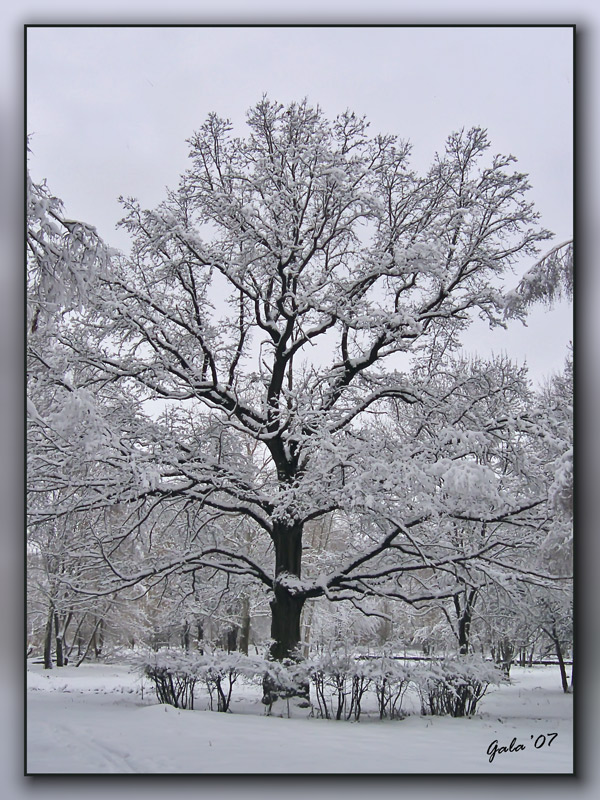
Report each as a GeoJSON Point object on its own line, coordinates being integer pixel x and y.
{"type": "Point", "coordinates": [101, 718]}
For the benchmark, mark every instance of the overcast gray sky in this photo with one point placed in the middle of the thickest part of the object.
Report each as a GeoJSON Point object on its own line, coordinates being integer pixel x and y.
{"type": "Point", "coordinates": [110, 110]}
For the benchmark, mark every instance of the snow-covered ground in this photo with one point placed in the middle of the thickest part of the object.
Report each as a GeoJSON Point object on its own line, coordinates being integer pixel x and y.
{"type": "Point", "coordinates": [101, 718]}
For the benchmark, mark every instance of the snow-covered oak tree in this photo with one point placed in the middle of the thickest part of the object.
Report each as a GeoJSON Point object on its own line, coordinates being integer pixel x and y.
{"type": "Point", "coordinates": [275, 304]}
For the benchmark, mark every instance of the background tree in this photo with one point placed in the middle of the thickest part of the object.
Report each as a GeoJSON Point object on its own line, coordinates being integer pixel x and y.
{"type": "Point", "coordinates": [63, 257]}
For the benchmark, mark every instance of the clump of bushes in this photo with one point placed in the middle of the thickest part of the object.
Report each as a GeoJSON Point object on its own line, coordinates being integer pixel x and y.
{"type": "Point", "coordinates": [174, 676]}
{"type": "Point", "coordinates": [392, 679]}
{"type": "Point", "coordinates": [340, 683]}
{"type": "Point", "coordinates": [450, 686]}
{"type": "Point", "coordinates": [454, 686]}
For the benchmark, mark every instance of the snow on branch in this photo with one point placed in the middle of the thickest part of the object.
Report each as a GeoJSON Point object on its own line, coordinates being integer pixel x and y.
{"type": "Point", "coordinates": [549, 280]}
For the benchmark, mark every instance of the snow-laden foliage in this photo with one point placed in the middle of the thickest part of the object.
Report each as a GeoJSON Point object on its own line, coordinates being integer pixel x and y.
{"type": "Point", "coordinates": [550, 279]}
{"type": "Point", "coordinates": [64, 257]}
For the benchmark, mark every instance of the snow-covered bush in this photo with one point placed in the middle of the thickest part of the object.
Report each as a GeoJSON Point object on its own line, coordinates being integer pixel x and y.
{"type": "Point", "coordinates": [331, 676]}
{"type": "Point", "coordinates": [454, 686]}
{"type": "Point", "coordinates": [174, 676]}
{"type": "Point", "coordinates": [220, 671]}
{"type": "Point", "coordinates": [341, 682]}
{"type": "Point", "coordinates": [391, 678]}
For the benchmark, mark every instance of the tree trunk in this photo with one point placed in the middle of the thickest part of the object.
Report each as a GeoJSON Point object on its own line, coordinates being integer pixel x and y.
{"type": "Point", "coordinates": [77, 638]}
{"type": "Point", "coordinates": [306, 627]}
{"type": "Point", "coordinates": [572, 674]}
{"type": "Point", "coordinates": [245, 627]}
{"type": "Point", "coordinates": [231, 639]}
{"type": "Point", "coordinates": [48, 639]}
{"type": "Point", "coordinates": [287, 602]}
{"type": "Point", "coordinates": [186, 638]}
{"type": "Point", "coordinates": [561, 661]}
{"type": "Point", "coordinates": [463, 634]}
{"type": "Point", "coordinates": [61, 624]}
{"type": "Point", "coordinates": [91, 640]}
{"type": "Point", "coordinates": [98, 638]}
{"type": "Point", "coordinates": [464, 615]}
{"type": "Point", "coordinates": [286, 609]}
{"type": "Point", "coordinates": [60, 658]}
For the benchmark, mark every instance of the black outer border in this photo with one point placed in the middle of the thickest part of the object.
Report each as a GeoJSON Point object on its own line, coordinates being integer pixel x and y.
{"type": "Point", "coordinates": [237, 778]}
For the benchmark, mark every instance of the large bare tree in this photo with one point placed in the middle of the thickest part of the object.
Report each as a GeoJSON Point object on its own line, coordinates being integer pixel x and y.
{"type": "Point", "coordinates": [238, 360]}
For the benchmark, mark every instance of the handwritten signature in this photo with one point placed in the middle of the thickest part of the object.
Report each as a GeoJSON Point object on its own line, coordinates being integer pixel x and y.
{"type": "Point", "coordinates": [543, 740]}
